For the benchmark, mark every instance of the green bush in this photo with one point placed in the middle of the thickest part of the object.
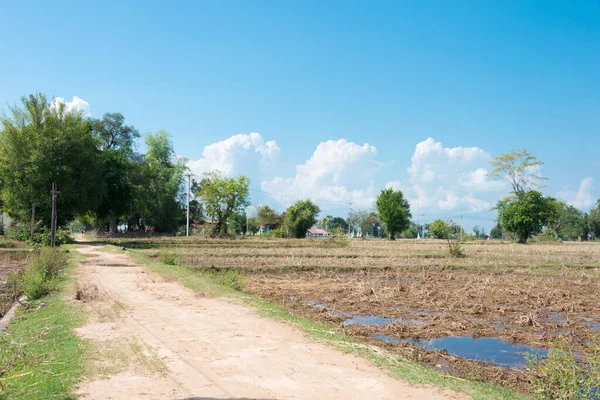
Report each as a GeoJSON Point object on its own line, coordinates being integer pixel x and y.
{"type": "Point", "coordinates": [570, 371]}
{"type": "Point", "coordinates": [166, 257]}
{"type": "Point", "coordinates": [42, 273]}
{"type": "Point", "coordinates": [41, 236]}
{"type": "Point", "coordinates": [231, 279]}
{"type": "Point", "coordinates": [278, 233]}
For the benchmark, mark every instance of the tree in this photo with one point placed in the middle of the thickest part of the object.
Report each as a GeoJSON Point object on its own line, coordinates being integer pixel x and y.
{"type": "Point", "coordinates": [41, 143]}
{"type": "Point", "coordinates": [525, 214]}
{"type": "Point", "coordinates": [363, 220]}
{"type": "Point", "coordinates": [411, 232]}
{"type": "Point", "coordinates": [517, 168]}
{"type": "Point", "coordinates": [479, 232]}
{"type": "Point", "coordinates": [116, 142]}
{"type": "Point", "coordinates": [158, 184]}
{"type": "Point", "coordinates": [394, 211]}
{"type": "Point", "coordinates": [594, 223]}
{"type": "Point", "coordinates": [566, 221]}
{"type": "Point", "coordinates": [266, 215]}
{"type": "Point", "coordinates": [112, 132]}
{"type": "Point", "coordinates": [439, 229]}
{"type": "Point", "coordinates": [299, 217]}
{"type": "Point", "coordinates": [237, 223]}
{"type": "Point", "coordinates": [496, 232]}
{"type": "Point", "coordinates": [336, 225]}
{"type": "Point", "coordinates": [222, 197]}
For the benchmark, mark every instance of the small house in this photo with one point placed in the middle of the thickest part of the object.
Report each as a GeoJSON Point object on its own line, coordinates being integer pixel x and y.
{"type": "Point", "coordinates": [317, 232]}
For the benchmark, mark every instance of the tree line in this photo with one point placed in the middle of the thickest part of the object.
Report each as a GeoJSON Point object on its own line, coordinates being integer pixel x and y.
{"type": "Point", "coordinates": [106, 183]}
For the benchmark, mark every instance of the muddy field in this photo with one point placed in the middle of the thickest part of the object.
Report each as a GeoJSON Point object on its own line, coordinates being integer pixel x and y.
{"type": "Point", "coordinates": [474, 317]}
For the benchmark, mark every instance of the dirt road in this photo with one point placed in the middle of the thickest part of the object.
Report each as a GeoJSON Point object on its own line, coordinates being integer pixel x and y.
{"type": "Point", "coordinates": [185, 346]}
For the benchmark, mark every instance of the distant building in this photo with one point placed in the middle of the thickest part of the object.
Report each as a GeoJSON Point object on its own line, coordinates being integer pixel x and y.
{"type": "Point", "coordinates": [317, 232]}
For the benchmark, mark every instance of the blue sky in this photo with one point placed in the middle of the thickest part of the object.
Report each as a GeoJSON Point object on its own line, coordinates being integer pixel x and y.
{"type": "Point", "coordinates": [471, 74]}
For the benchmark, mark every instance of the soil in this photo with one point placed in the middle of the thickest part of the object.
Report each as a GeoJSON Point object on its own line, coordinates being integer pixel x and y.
{"type": "Point", "coordinates": [11, 262]}
{"type": "Point", "coordinates": [213, 347]}
{"type": "Point", "coordinates": [516, 306]}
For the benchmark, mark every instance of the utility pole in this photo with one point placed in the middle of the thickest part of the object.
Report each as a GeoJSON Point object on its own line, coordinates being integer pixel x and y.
{"type": "Point", "coordinates": [349, 211]}
{"type": "Point", "coordinates": [461, 228]}
{"type": "Point", "coordinates": [187, 226]}
{"type": "Point", "coordinates": [418, 222]}
{"type": "Point", "coordinates": [32, 221]}
{"type": "Point", "coordinates": [54, 193]}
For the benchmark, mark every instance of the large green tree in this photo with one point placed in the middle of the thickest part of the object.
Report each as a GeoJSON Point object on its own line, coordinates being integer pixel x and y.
{"type": "Point", "coordinates": [118, 155]}
{"type": "Point", "coordinates": [267, 216]}
{"type": "Point", "coordinates": [394, 211]}
{"type": "Point", "coordinates": [519, 169]}
{"type": "Point", "coordinates": [299, 217]}
{"type": "Point", "coordinates": [42, 142]}
{"type": "Point", "coordinates": [439, 229]}
{"type": "Point", "coordinates": [333, 224]}
{"type": "Point", "coordinates": [525, 214]}
{"type": "Point", "coordinates": [223, 197]}
{"type": "Point", "coordinates": [594, 223]}
{"type": "Point", "coordinates": [567, 222]}
{"type": "Point", "coordinates": [158, 184]}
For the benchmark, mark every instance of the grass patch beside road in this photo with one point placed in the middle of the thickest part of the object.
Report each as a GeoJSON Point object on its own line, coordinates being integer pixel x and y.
{"type": "Point", "coordinates": [40, 355]}
{"type": "Point", "coordinates": [218, 285]}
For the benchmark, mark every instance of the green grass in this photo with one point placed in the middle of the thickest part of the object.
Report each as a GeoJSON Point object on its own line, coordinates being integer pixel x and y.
{"type": "Point", "coordinates": [40, 355]}
{"type": "Point", "coordinates": [326, 333]}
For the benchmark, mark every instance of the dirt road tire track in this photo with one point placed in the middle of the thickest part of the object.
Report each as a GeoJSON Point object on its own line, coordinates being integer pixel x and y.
{"type": "Point", "coordinates": [217, 348]}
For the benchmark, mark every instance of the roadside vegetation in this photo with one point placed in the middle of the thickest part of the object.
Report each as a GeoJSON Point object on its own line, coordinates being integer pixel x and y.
{"type": "Point", "coordinates": [40, 354]}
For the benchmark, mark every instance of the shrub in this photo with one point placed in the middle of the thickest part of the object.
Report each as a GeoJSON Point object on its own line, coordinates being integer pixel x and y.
{"type": "Point", "coordinates": [166, 257]}
{"type": "Point", "coordinates": [336, 241]}
{"type": "Point", "coordinates": [455, 247]}
{"type": "Point", "coordinates": [231, 279]}
{"type": "Point", "coordinates": [42, 273]}
{"type": "Point", "coordinates": [41, 236]}
{"type": "Point", "coordinates": [276, 233]}
{"type": "Point", "coordinates": [570, 371]}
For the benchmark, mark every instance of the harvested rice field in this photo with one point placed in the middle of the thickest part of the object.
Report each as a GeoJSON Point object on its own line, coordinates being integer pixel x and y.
{"type": "Point", "coordinates": [480, 317]}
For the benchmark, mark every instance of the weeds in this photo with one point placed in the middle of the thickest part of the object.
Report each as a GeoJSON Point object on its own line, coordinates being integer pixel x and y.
{"type": "Point", "coordinates": [231, 279]}
{"type": "Point", "coordinates": [169, 258]}
{"type": "Point", "coordinates": [570, 371]}
{"type": "Point", "coordinates": [41, 357]}
{"type": "Point", "coordinates": [41, 276]}
{"type": "Point", "coordinates": [455, 247]}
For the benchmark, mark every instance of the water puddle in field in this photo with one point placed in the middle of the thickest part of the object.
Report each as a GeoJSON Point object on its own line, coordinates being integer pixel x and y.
{"type": "Point", "coordinates": [593, 325]}
{"type": "Point", "coordinates": [385, 338]}
{"type": "Point", "coordinates": [378, 321]}
{"type": "Point", "coordinates": [558, 318]}
{"type": "Point", "coordinates": [374, 320]}
{"type": "Point", "coordinates": [492, 350]}
{"type": "Point", "coordinates": [322, 307]}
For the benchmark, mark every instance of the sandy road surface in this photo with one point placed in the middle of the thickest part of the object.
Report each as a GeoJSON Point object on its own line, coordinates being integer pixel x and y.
{"type": "Point", "coordinates": [215, 348]}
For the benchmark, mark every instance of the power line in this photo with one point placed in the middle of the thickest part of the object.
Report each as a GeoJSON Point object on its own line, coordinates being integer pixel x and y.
{"type": "Point", "coordinates": [299, 198]}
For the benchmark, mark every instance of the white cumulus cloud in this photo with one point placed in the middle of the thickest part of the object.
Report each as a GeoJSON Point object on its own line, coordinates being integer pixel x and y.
{"type": "Point", "coordinates": [451, 178]}
{"type": "Point", "coordinates": [338, 171]}
{"type": "Point", "coordinates": [236, 154]}
{"type": "Point", "coordinates": [582, 198]}
{"type": "Point", "coordinates": [76, 104]}
{"type": "Point", "coordinates": [396, 185]}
